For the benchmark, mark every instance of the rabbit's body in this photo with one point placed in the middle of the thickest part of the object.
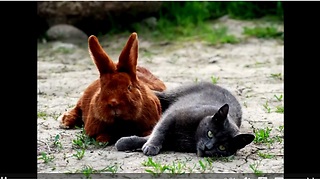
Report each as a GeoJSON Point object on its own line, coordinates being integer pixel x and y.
{"type": "Point", "coordinates": [120, 102]}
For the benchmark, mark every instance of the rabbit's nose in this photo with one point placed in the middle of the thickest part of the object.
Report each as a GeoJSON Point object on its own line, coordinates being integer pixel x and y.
{"type": "Point", "coordinates": [113, 103]}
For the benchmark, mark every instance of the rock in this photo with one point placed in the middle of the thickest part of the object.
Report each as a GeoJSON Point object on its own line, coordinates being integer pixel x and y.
{"type": "Point", "coordinates": [66, 33]}
{"type": "Point", "coordinates": [95, 16]}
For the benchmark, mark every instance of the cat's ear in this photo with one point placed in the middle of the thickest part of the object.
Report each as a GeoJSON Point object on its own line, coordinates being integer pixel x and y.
{"type": "Point", "coordinates": [222, 114]}
{"type": "Point", "coordinates": [241, 140]}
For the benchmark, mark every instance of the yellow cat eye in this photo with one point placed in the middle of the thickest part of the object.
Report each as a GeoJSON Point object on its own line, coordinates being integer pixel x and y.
{"type": "Point", "coordinates": [222, 148]}
{"type": "Point", "coordinates": [210, 134]}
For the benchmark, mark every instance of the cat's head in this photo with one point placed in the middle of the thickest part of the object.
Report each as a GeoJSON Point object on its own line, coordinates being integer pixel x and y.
{"type": "Point", "coordinates": [217, 136]}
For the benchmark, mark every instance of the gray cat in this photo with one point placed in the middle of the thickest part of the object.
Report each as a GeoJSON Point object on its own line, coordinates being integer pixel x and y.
{"type": "Point", "coordinates": [203, 118]}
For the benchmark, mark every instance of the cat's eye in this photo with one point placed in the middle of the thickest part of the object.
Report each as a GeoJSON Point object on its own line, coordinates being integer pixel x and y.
{"type": "Point", "coordinates": [222, 148]}
{"type": "Point", "coordinates": [210, 134]}
{"type": "Point", "coordinates": [129, 87]}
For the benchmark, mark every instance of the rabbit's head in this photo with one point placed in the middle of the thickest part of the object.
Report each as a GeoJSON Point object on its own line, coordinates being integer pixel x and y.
{"type": "Point", "coordinates": [121, 93]}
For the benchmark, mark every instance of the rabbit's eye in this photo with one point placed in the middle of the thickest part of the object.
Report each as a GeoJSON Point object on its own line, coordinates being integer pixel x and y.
{"type": "Point", "coordinates": [129, 87]}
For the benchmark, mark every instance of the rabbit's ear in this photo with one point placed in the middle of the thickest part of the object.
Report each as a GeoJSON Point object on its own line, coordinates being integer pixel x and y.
{"type": "Point", "coordinates": [129, 56]}
{"type": "Point", "coordinates": [103, 62]}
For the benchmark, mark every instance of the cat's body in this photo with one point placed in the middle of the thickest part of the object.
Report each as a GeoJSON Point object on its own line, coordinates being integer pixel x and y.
{"type": "Point", "coordinates": [202, 118]}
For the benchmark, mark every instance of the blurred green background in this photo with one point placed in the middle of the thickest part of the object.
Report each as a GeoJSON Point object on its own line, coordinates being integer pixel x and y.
{"type": "Point", "coordinates": [185, 19]}
{"type": "Point", "coordinates": [188, 18]}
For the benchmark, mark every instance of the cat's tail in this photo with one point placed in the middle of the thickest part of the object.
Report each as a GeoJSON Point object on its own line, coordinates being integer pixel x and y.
{"type": "Point", "coordinates": [130, 143]}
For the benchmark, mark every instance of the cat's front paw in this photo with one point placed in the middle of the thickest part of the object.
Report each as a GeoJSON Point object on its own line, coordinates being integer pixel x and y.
{"type": "Point", "coordinates": [150, 150]}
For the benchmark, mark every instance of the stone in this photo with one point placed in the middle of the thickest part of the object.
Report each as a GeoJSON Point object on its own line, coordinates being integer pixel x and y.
{"type": "Point", "coordinates": [94, 16]}
{"type": "Point", "coordinates": [66, 33]}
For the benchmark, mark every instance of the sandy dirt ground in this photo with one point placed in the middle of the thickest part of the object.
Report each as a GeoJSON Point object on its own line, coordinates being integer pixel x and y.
{"type": "Point", "coordinates": [252, 70]}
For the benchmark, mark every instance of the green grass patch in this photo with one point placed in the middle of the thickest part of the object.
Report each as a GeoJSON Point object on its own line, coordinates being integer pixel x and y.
{"type": "Point", "coordinates": [83, 141]}
{"type": "Point", "coordinates": [279, 98]}
{"type": "Point", "coordinates": [46, 158]}
{"type": "Point", "coordinates": [276, 76]}
{"type": "Point", "coordinates": [174, 169]}
{"type": "Point", "coordinates": [57, 143]}
{"type": "Point", "coordinates": [263, 32]}
{"type": "Point", "coordinates": [279, 109]}
{"type": "Point", "coordinates": [43, 115]}
{"type": "Point", "coordinates": [87, 170]}
{"type": "Point", "coordinates": [79, 153]}
{"type": "Point", "coordinates": [265, 155]}
{"type": "Point", "coordinates": [214, 79]}
{"type": "Point", "coordinates": [262, 136]}
{"type": "Point", "coordinates": [254, 167]}
{"type": "Point", "coordinates": [267, 107]}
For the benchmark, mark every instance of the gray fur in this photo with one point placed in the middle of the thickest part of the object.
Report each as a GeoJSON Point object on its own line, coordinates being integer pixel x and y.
{"type": "Point", "coordinates": [189, 112]}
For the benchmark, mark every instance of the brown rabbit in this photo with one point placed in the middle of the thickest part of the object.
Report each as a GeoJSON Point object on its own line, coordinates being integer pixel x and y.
{"type": "Point", "coordinates": [121, 101]}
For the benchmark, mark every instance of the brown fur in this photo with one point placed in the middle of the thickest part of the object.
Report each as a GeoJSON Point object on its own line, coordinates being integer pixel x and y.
{"type": "Point", "coordinates": [121, 101]}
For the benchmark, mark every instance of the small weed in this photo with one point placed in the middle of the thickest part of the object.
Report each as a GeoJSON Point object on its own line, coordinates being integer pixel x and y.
{"type": "Point", "coordinates": [220, 36]}
{"type": "Point", "coordinates": [258, 64]}
{"type": "Point", "coordinates": [266, 106]}
{"type": "Point", "coordinates": [42, 115]}
{"type": "Point", "coordinates": [263, 32]}
{"type": "Point", "coordinates": [254, 168]}
{"type": "Point", "coordinates": [276, 76]}
{"type": "Point", "coordinates": [83, 141]}
{"type": "Point", "coordinates": [279, 98]}
{"type": "Point", "coordinates": [207, 164]}
{"type": "Point", "coordinates": [279, 109]}
{"type": "Point", "coordinates": [88, 170]}
{"type": "Point", "coordinates": [79, 154]}
{"type": "Point", "coordinates": [176, 168]}
{"type": "Point", "coordinates": [278, 139]}
{"type": "Point", "coordinates": [113, 169]}
{"type": "Point", "coordinates": [208, 161]}
{"type": "Point", "coordinates": [157, 167]}
{"type": "Point", "coordinates": [56, 142]}
{"type": "Point", "coordinates": [202, 165]}
{"type": "Point", "coordinates": [46, 158]}
{"type": "Point", "coordinates": [263, 136]}
{"type": "Point", "coordinates": [55, 115]}
{"type": "Point", "coordinates": [265, 156]}
{"type": "Point", "coordinates": [214, 79]}
{"type": "Point", "coordinates": [280, 128]}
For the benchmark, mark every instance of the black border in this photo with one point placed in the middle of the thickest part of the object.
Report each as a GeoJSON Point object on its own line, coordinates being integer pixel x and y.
{"type": "Point", "coordinates": [18, 89]}
{"type": "Point", "coordinates": [301, 39]}
{"type": "Point", "coordinates": [19, 84]}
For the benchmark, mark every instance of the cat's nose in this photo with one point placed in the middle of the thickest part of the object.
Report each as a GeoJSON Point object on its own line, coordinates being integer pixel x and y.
{"type": "Point", "coordinates": [208, 145]}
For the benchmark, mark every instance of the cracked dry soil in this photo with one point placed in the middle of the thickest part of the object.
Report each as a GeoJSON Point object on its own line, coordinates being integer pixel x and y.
{"type": "Point", "coordinates": [252, 70]}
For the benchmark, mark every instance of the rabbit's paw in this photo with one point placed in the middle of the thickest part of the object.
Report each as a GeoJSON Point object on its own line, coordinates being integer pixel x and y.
{"type": "Point", "coordinates": [103, 138]}
{"type": "Point", "coordinates": [150, 149]}
{"type": "Point", "coordinates": [67, 120]}
{"type": "Point", "coordinates": [63, 123]}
